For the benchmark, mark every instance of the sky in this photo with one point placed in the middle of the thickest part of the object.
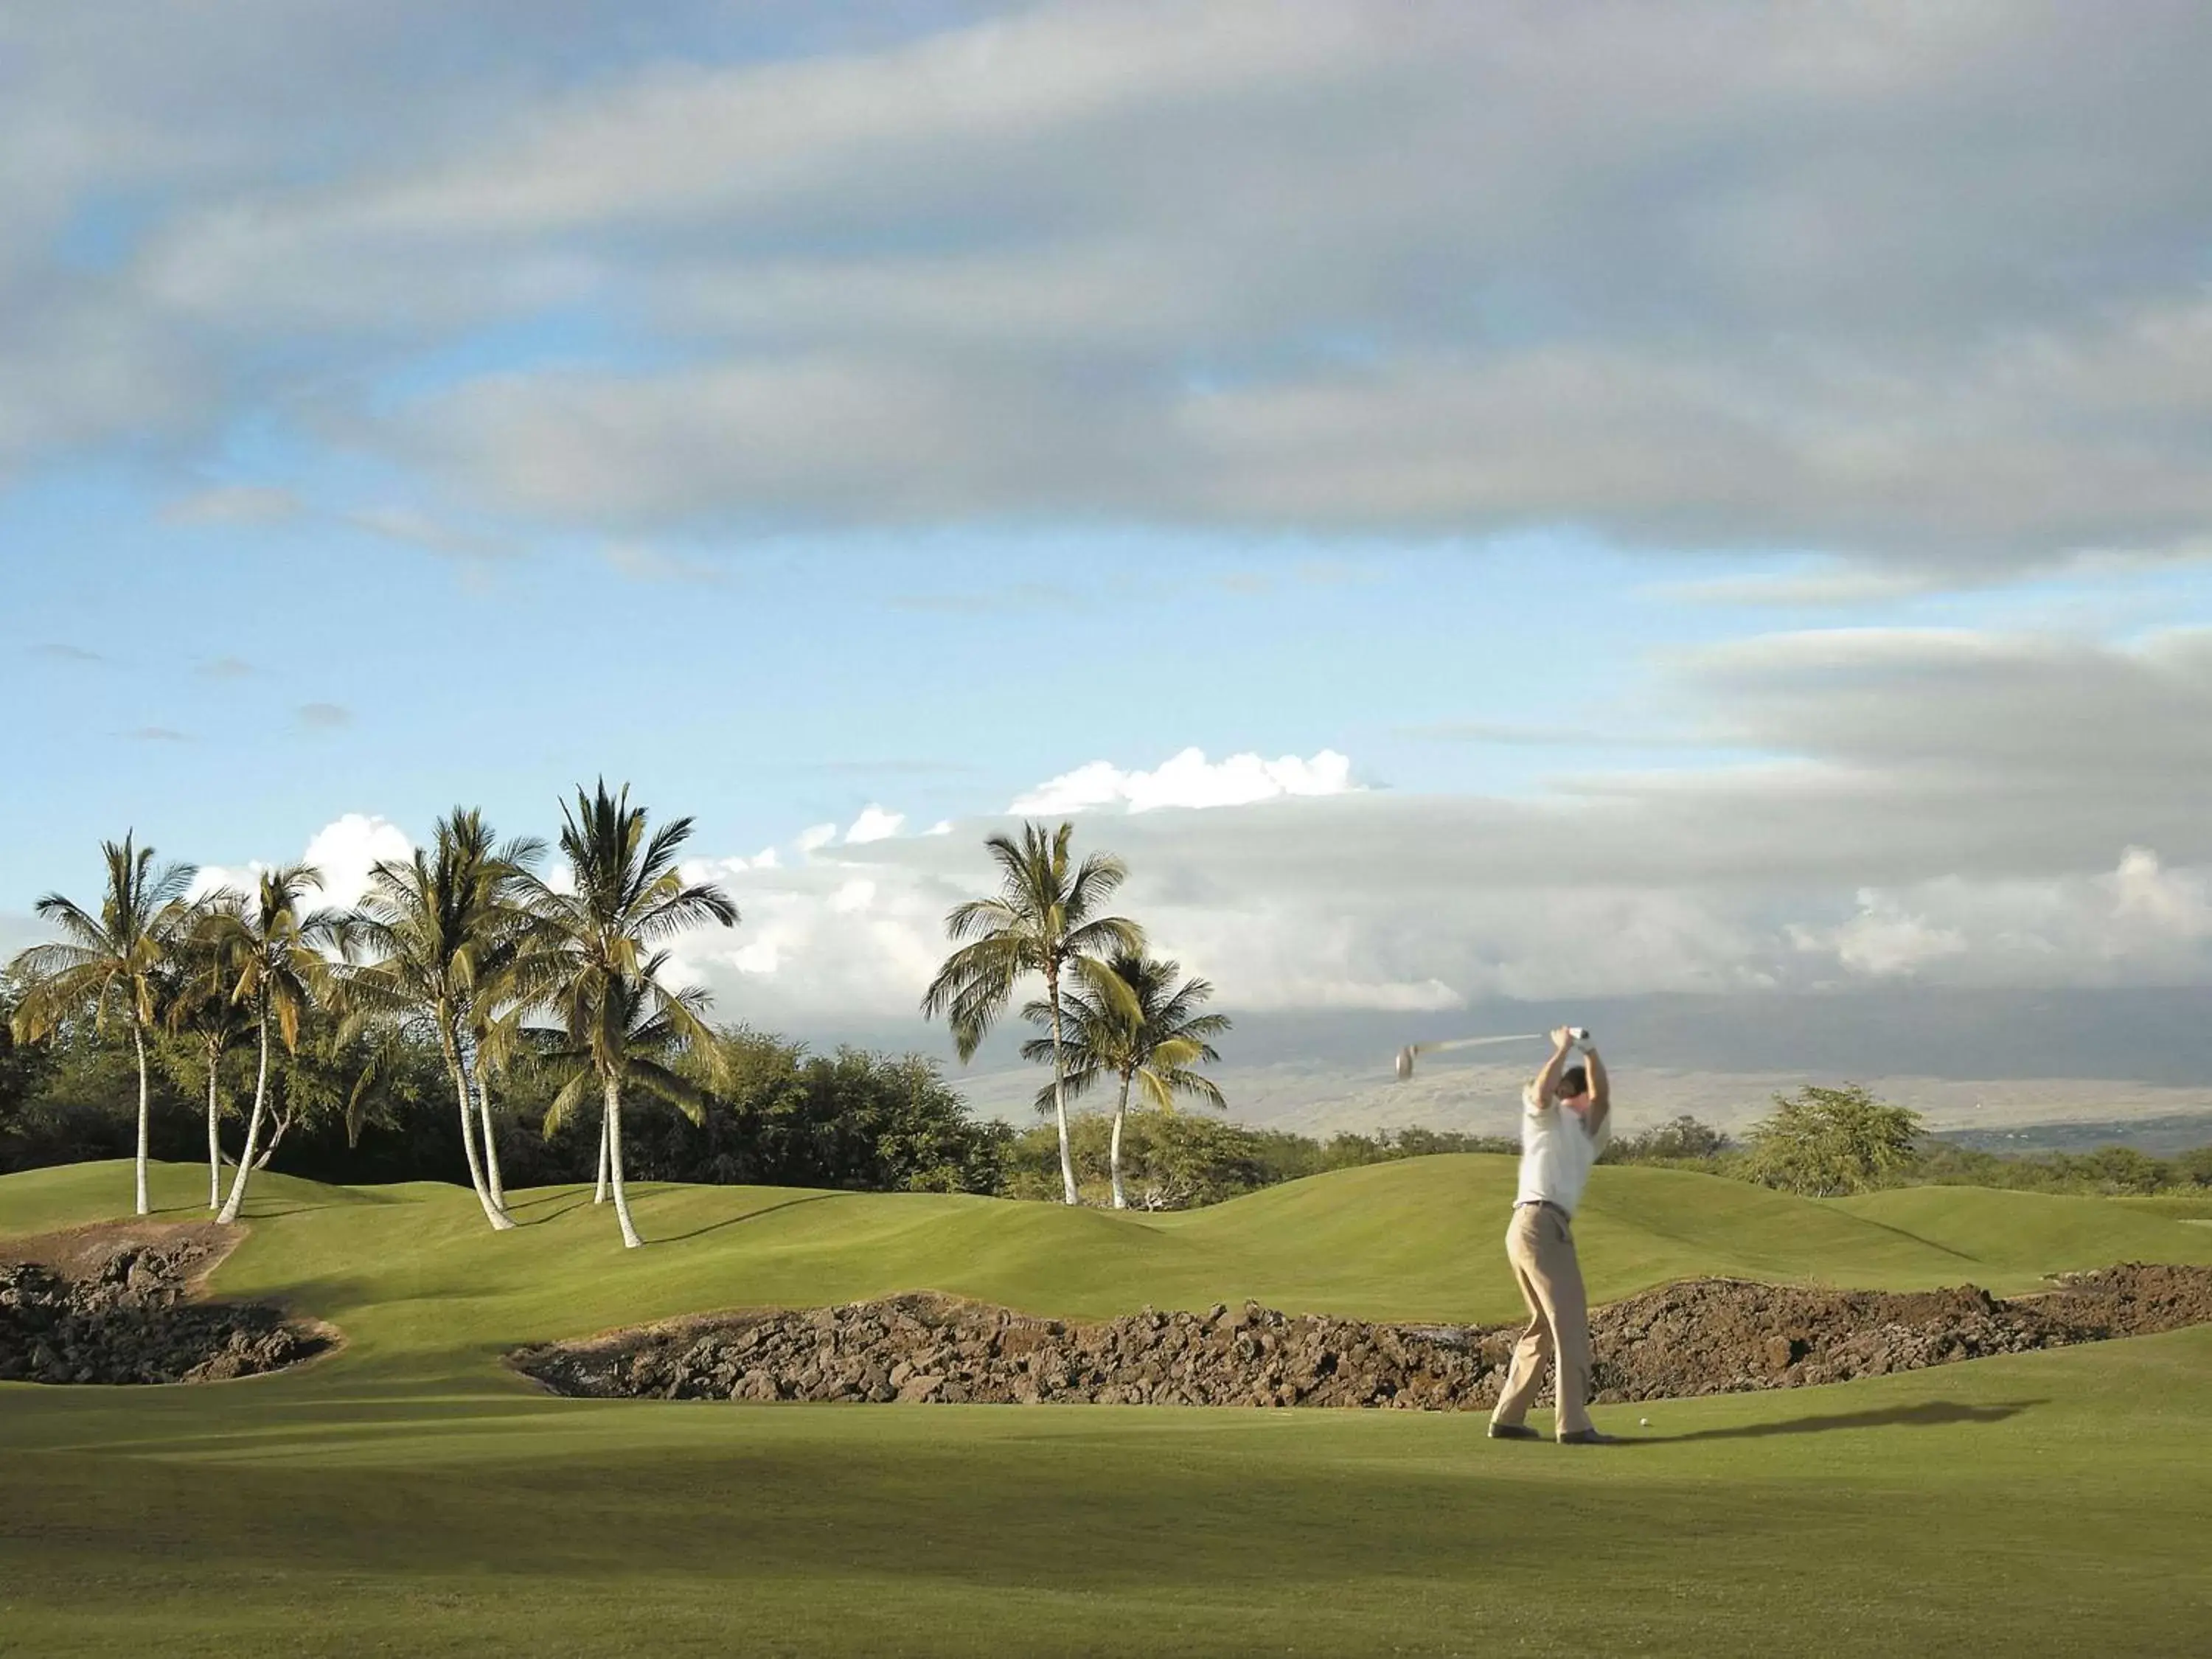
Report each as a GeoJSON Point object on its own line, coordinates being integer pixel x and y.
{"type": "Point", "coordinates": [1473, 501]}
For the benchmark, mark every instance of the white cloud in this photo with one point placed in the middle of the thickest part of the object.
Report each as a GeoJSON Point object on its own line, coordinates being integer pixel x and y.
{"type": "Point", "coordinates": [874, 823]}
{"type": "Point", "coordinates": [852, 898]}
{"type": "Point", "coordinates": [1189, 780]}
{"type": "Point", "coordinates": [817, 836]}
{"type": "Point", "coordinates": [2174, 904]}
{"type": "Point", "coordinates": [1881, 940]}
{"type": "Point", "coordinates": [699, 870]}
{"type": "Point", "coordinates": [344, 851]}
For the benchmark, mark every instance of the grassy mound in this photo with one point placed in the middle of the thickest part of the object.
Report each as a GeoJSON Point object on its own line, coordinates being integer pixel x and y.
{"type": "Point", "coordinates": [421, 1288]}
{"type": "Point", "coordinates": [410, 1496]}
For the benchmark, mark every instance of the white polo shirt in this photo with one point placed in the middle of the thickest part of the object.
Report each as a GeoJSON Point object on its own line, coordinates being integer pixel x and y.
{"type": "Point", "coordinates": [1557, 1151]}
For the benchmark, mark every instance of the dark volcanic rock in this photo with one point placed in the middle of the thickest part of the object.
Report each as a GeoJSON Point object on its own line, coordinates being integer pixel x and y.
{"type": "Point", "coordinates": [1705, 1336]}
{"type": "Point", "coordinates": [126, 1319]}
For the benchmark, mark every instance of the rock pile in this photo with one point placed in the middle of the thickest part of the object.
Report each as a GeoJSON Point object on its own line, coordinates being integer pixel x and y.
{"type": "Point", "coordinates": [929, 1348]}
{"type": "Point", "coordinates": [1706, 1336]}
{"type": "Point", "coordinates": [126, 1320]}
{"type": "Point", "coordinates": [1718, 1336]}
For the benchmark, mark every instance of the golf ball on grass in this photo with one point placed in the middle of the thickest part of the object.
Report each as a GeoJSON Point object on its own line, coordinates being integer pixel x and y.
{"type": "Point", "coordinates": [1643, 1422]}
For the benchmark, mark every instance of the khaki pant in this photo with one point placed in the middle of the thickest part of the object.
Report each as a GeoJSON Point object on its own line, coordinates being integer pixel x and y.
{"type": "Point", "coordinates": [1542, 1251]}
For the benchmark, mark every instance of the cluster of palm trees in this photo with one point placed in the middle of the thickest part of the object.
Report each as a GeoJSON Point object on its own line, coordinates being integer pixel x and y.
{"type": "Point", "coordinates": [1110, 1012]}
{"type": "Point", "coordinates": [463, 944]}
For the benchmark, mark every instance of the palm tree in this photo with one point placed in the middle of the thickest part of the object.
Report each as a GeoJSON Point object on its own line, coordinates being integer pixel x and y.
{"type": "Point", "coordinates": [593, 964]}
{"type": "Point", "coordinates": [204, 1012]}
{"type": "Point", "coordinates": [282, 965]}
{"type": "Point", "coordinates": [119, 957]}
{"type": "Point", "coordinates": [632, 1035]}
{"type": "Point", "coordinates": [446, 929]}
{"type": "Point", "coordinates": [1043, 919]}
{"type": "Point", "coordinates": [1127, 1019]}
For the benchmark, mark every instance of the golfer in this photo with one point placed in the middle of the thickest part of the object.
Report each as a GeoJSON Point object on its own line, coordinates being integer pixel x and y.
{"type": "Point", "coordinates": [1563, 1127]}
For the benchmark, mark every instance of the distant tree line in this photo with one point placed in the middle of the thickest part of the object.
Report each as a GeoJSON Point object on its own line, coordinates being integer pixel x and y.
{"type": "Point", "coordinates": [1827, 1142]}
{"type": "Point", "coordinates": [1177, 1162]}
{"type": "Point", "coordinates": [770, 1112]}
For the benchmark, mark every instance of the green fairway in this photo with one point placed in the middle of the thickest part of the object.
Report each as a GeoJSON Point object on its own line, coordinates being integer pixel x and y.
{"type": "Point", "coordinates": [408, 1495]}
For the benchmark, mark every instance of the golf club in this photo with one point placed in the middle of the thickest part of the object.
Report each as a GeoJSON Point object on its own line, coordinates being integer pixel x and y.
{"type": "Point", "coordinates": [1405, 1063]}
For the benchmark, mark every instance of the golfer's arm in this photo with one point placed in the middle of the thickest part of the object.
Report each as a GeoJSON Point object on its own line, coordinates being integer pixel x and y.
{"type": "Point", "coordinates": [1547, 1080]}
{"type": "Point", "coordinates": [1601, 1104]}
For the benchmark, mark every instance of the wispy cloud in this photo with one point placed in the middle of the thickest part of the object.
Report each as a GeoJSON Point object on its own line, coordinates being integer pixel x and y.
{"type": "Point", "coordinates": [157, 734]}
{"type": "Point", "coordinates": [1018, 597]}
{"type": "Point", "coordinates": [56, 650]}
{"type": "Point", "coordinates": [653, 564]}
{"type": "Point", "coordinates": [233, 505]}
{"type": "Point", "coordinates": [417, 529]}
{"type": "Point", "coordinates": [224, 668]}
{"type": "Point", "coordinates": [324, 716]}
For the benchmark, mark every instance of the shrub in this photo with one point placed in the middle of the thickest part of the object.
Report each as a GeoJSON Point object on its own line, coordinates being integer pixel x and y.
{"type": "Point", "coordinates": [1823, 1142]}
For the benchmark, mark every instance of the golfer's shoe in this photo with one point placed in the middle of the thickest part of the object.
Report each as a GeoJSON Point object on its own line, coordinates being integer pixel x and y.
{"type": "Point", "coordinates": [1513, 1431]}
{"type": "Point", "coordinates": [1588, 1438]}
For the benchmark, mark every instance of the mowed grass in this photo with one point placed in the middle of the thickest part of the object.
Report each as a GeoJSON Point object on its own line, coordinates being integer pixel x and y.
{"type": "Point", "coordinates": [408, 1495]}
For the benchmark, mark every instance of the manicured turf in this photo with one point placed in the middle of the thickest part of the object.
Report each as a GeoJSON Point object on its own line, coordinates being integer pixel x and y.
{"type": "Point", "coordinates": [408, 1495]}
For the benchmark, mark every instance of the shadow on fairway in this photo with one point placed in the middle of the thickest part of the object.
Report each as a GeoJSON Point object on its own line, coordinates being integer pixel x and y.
{"type": "Point", "coordinates": [1934, 1414]}
{"type": "Point", "coordinates": [749, 1215]}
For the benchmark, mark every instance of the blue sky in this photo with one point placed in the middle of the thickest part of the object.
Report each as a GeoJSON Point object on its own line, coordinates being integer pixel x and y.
{"type": "Point", "coordinates": [1742, 513]}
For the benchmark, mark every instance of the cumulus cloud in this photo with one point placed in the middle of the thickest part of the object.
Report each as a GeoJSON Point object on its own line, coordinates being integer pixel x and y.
{"type": "Point", "coordinates": [344, 851]}
{"type": "Point", "coordinates": [874, 823]}
{"type": "Point", "coordinates": [1188, 779]}
{"type": "Point", "coordinates": [1940, 808]}
{"type": "Point", "coordinates": [1936, 808]}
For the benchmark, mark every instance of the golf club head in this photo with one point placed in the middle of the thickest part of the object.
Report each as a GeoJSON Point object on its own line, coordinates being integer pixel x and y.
{"type": "Point", "coordinates": [1405, 1064]}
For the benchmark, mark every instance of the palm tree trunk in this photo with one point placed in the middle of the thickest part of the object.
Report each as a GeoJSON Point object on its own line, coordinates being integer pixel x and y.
{"type": "Point", "coordinates": [1060, 1090]}
{"type": "Point", "coordinates": [252, 1129]}
{"type": "Point", "coordinates": [1121, 1115]}
{"type": "Point", "coordinates": [214, 1142]}
{"type": "Point", "coordinates": [282, 1121]}
{"type": "Point", "coordinates": [138, 1039]}
{"type": "Point", "coordinates": [599, 1192]}
{"type": "Point", "coordinates": [493, 1180]}
{"type": "Point", "coordinates": [501, 1221]}
{"type": "Point", "coordinates": [630, 1239]}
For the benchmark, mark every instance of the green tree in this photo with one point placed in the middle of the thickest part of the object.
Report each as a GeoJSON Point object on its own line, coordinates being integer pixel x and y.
{"type": "Point", "coordinates": [1679, 1139]}
{"type": "Point", "coordinates": [1043, 918]}
{"type": "Point", "coordinates": [283, 957]}
{"type": "Point", "coordinates": [1128, 1019]}
{"type": "Point", "coordinates": [595, 966]}
{"type": "Point", "coordinates": [116, 959]}
{"type": "Point", "coordinates": [445, 931]}
{"type": "Point", "coordinates": [1824, 1142]}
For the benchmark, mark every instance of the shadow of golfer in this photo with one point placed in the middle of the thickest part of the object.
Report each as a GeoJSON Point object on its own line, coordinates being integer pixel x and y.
{"type": "Point", "coordinates": [1934, 1413]}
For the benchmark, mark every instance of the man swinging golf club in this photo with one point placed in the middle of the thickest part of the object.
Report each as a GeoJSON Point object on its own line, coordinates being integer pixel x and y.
{"type": "Point", "coordinates": [1564, 1124]}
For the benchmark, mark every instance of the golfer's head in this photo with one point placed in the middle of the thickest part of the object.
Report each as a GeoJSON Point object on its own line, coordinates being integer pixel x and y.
{"type": "Point", "coordinates": [1574, 1087]}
